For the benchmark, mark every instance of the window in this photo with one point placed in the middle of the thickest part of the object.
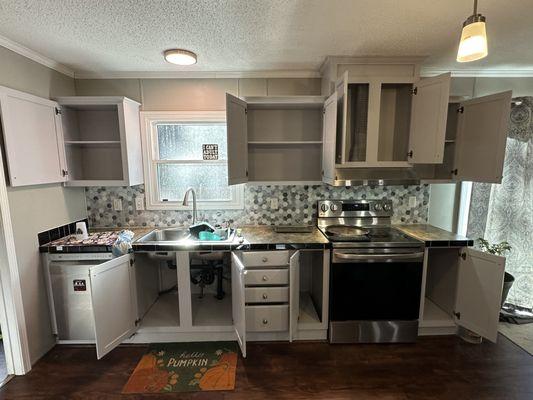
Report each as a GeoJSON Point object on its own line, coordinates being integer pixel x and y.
{"type": "Point", "coordinates": [183, 150]}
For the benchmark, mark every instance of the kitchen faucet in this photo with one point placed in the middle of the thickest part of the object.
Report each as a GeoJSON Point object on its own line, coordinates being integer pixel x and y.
{"type": "Point", "coordinates": [186, 203]}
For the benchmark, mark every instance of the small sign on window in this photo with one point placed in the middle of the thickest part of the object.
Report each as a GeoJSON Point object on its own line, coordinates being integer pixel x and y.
{"type": "Point", "coordinates": [210, 151]}
{"type": "Point", "coordinates": [80, 285]}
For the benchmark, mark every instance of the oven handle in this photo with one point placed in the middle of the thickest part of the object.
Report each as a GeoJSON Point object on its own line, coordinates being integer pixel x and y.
{"type": "Point", "coordinates": [379, 257]}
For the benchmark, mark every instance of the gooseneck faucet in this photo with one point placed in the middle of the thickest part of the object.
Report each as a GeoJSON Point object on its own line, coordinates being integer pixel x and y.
{"type": "Point", "coordinates": [186, 203]}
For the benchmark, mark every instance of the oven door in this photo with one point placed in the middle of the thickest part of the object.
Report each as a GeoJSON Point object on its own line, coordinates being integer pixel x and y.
{"type": "Point", "coordinates": [369, 286]}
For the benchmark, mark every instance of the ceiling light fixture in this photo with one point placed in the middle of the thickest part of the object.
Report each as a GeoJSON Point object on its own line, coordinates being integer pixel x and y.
{"type": "Point", "coordinates": [473, 45]}
{"type": "Point", "coordinates": [180, 57]}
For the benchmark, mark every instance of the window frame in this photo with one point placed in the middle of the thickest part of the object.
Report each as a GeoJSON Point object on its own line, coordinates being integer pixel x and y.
{"type": "Point", "coordinates": [150, 160]}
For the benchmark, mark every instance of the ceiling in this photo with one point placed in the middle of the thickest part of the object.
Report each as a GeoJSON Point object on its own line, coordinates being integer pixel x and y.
{"type": "Point", "coordinates": [102, 36]}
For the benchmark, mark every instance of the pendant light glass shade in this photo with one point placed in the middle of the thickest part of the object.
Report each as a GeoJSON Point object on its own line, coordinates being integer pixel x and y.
{"type": "Point", "coordinates": [473, 44]}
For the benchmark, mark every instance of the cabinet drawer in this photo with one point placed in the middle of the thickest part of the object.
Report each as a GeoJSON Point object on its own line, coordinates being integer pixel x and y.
{"type": "Point", "coordinates": [267, 318]}
{"type": "Point", "coordinates": [267, 295]}
{"type": "Point", "coordinates": [265, 258]}
{"type": "Point", "coordinates": [267, 277]}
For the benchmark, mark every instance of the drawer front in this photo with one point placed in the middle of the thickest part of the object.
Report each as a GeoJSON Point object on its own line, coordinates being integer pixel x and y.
{"type": "Point", "coordinates": [267, 277]}
{"type": "Point", "coordinates": [267, 295]}
{"type": "Point", "coordinates": [267, 318]}
{"type": "Point", "coordinates": [265, 258]}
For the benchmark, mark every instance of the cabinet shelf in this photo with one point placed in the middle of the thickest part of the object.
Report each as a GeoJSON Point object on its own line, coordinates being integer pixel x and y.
{"type": "Point", "coordinates": [285, 102]}
{"type": "Point", "coordinates": [91, 142]}
{"type": "Point", "coordinates": [281, 142]}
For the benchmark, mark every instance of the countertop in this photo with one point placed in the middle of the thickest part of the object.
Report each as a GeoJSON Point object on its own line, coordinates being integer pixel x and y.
{"type": "Point", "coordinates": [433, 236]}
{"type": "Point", "coordinates": [261, 237]}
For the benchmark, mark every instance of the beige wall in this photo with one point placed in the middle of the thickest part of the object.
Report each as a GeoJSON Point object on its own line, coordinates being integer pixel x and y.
{"type": "Point", "coordinates": [37, 208]}
{"type": "Point", "coordinates": [194, 94]}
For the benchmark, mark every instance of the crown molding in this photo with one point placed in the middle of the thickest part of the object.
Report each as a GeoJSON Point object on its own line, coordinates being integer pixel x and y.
{"type": "Point", "coordinates": [479, 73]}
{"type": "Point", "coordinates": [34, 56]}
{"type": "Point", "coordinates": [198, 74]}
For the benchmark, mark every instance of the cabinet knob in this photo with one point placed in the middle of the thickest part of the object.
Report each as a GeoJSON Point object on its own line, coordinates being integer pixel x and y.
{"type": "Point", "coordinates": [265, 321]}
{"type": "Point", "coordinates": [264, 259]}
{"type": "Point", "coordinates": [265, 296]}
{"type": "Point", "coordinates": [265, 278]}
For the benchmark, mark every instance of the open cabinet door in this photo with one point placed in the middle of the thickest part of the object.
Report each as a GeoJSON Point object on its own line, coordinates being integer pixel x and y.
{"type": "Point", "coordinates": [341, 119]}
{"type": "Point", "coordinates": [238, 301]}
{"type": "Point", "coordinates": [237, 132]}
{"type": "Point", "coordinates": [479, 292]}
{"type": "Point", "coordinates": [328, 138]}
{"type": "Point", "coordinates": [429, 111]}
{"type": "Point", "coordinates": [294, 295]}
{"type": "Point", "coordinates": [482, 129]}
{"type": "Point", "coordinates": [113, 301]}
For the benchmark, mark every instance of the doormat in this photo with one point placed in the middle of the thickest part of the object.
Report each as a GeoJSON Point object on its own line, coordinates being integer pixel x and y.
{"type": "Point", "coordinates": [185, 367]}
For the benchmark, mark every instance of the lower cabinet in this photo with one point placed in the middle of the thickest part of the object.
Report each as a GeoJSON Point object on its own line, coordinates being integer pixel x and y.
{"type": "Point", "coordinates": [174, 297]}
{"type": "Point", "coordinates": [461, 287]}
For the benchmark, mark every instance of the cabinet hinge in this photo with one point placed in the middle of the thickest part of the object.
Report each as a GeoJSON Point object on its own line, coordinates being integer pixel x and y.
{"type": "Point", "coordinates": [246, 111]}
{"type": "Point", "coordinates": [132, 261]}
{"type": "Point", "coordinates": [64, 172]}
{"type": "Point", "coordinates": [454, 171]}
{"type": "Point", "coordinates": [457, 314]}
{"type": "Point", "coordinates": [461, 110]}
{"type": "Point", "coordinates": [410, 154]}
{"type": "Point", "coordinates": [463, 255]}
{"type": "Point", "coordinates": [246, 173]}
{"type": "Point", "coordinates": [414, 91]}
{"type": "Point", "coordinates": [137, 322]}
{"type": "Point", "coordinates": [58, 111]}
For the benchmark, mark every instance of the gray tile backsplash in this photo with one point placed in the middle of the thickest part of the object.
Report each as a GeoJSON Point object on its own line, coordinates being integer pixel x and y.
{"type": "Point", "coordinates": [297, 205]}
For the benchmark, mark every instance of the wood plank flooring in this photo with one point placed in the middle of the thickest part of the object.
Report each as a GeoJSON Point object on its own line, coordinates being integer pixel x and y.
{"type": "Point", "coordinates": [434, 368]}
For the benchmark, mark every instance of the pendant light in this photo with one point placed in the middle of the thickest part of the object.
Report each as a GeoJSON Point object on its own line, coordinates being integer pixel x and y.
{"type": "Point", "coordinates": [473, 45]}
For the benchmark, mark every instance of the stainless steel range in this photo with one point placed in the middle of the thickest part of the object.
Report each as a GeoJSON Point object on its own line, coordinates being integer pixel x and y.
{"type": "Point", "coordinates": [376, 273]}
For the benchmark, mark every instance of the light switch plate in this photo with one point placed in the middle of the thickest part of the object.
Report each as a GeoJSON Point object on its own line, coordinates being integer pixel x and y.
{"type": "Point", "coordinates": [117, 205]}
{"type": "Point", "coordinates": [412, 201]}
{"type": "Point", "coordinates": [274, 204]}
{"type": "Point", "coordinates": [139, 203]}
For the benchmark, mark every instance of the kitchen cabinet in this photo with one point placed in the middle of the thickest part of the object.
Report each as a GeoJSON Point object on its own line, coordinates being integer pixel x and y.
{"type": "Point", "coordinates": [476, 139]}
{"type": "Point", "coordinates": [33, 139]}
{"type": "Point", "coordinates": [461, 287]}
{"type": "Point", "coordinates": [389, 122]}
{"type": "Point", "coordinates": [274, 139]}
{"type": "Point", "coordinates": [102, 141]}
{"type": "Point", "coordinates": [79, 141]}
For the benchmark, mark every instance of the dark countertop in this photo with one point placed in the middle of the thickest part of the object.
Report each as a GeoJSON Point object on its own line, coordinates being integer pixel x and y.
{"type": "Point", "coordinates": [261, 237]}
{"type": "Point", "coordinates": [435, 237]}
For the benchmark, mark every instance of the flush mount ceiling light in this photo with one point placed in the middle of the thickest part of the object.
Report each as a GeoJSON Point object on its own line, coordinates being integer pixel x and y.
{"type": "Point", "coordinates": [473, 45]}
{"type": "Point", "coordinates": [180, 57]}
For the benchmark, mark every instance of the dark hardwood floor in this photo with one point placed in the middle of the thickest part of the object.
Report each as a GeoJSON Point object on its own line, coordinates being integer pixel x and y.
{"type": "Point", "coordinates": [434, 368]}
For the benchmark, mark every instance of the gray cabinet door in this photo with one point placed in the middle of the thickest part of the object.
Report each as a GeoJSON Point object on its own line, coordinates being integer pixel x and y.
{"type": "Point", "coordinates": [238, 273]}
{"type": "Point", "coordinates": [294, 295]}
{"type": "Point", "coordinates": [237, 131]}
{"type": "Point", "coordinates": [429, 111]}
{"type": "Point", "coordinates": [479, 292]}
{"type": "Point", "coordinates": [328, 138]}
{"type": "Point", "coordinates": [482, 129]}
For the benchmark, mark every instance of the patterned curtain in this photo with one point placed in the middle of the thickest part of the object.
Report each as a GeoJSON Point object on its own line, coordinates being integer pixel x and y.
{"type": "Point", "coordinates": [509, 206]}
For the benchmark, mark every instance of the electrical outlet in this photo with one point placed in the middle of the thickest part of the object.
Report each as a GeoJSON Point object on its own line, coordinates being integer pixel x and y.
{"type": "Point", "coordinates": [139, 203]}
{"type": "Point", "coordinates": [117, 205]}
{"type": "Point", "coordinates": [412, 201]}
{"type": "Point", "coordinates": [274, 204]}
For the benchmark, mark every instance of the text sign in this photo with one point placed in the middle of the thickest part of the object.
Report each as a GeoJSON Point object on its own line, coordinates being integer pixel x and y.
{"type": "Point", "coordinates": [210, 151]}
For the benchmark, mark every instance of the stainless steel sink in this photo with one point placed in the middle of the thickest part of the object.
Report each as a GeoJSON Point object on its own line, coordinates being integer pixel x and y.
{"type": "Point", "coordinates": [171, 236]}
{"type": "Point", "coordinates": [166, 235]}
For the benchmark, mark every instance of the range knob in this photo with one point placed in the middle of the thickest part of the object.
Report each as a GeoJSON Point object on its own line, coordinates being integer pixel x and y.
{"type": "Point", "coordinates": [334, 207]}
{"type": "Point", "coordinates": [324, 207]}
{"type": "Point", "coordinates": [387, 207]}
{"type": "Point", "coordinates": [378, 207]}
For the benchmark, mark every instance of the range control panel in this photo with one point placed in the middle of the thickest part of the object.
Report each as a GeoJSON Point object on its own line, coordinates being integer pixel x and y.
{"type": "Point", "coordinates": [354, 208]}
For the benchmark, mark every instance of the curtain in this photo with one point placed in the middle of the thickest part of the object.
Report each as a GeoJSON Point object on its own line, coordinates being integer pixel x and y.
{"type": "Point", "coordinates": [510, 204]}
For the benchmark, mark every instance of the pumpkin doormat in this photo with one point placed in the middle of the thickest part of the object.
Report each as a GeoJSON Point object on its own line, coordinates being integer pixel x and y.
{"type": "Point", "coordinates": [185, 367]}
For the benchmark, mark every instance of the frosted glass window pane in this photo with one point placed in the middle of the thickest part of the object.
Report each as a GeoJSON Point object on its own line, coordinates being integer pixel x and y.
{"type": "Point", "coordinates": [180, 141]}
{"type": "Point", "coordinates": [210, 181]}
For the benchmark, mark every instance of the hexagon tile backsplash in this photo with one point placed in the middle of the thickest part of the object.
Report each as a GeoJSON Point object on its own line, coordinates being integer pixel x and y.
{"type": "Point", "coordinates": [297, 205]}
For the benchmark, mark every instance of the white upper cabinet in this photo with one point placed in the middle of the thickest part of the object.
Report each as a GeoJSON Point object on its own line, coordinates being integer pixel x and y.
{"type": "Point", "coordinates": [274, 139]}
{"type": "Point", "coordinates": [428, 120]}
{"type": "Point", "coordinates": [479, 292]}
{"type": "Point", "coordinates": [102, 141]}
{"type": "Point", "coordinates": [33, 138]}
{"type": "Point", "coordinates": [482, 129]}
{"type": "Point", "coordinates": [237, 131]}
